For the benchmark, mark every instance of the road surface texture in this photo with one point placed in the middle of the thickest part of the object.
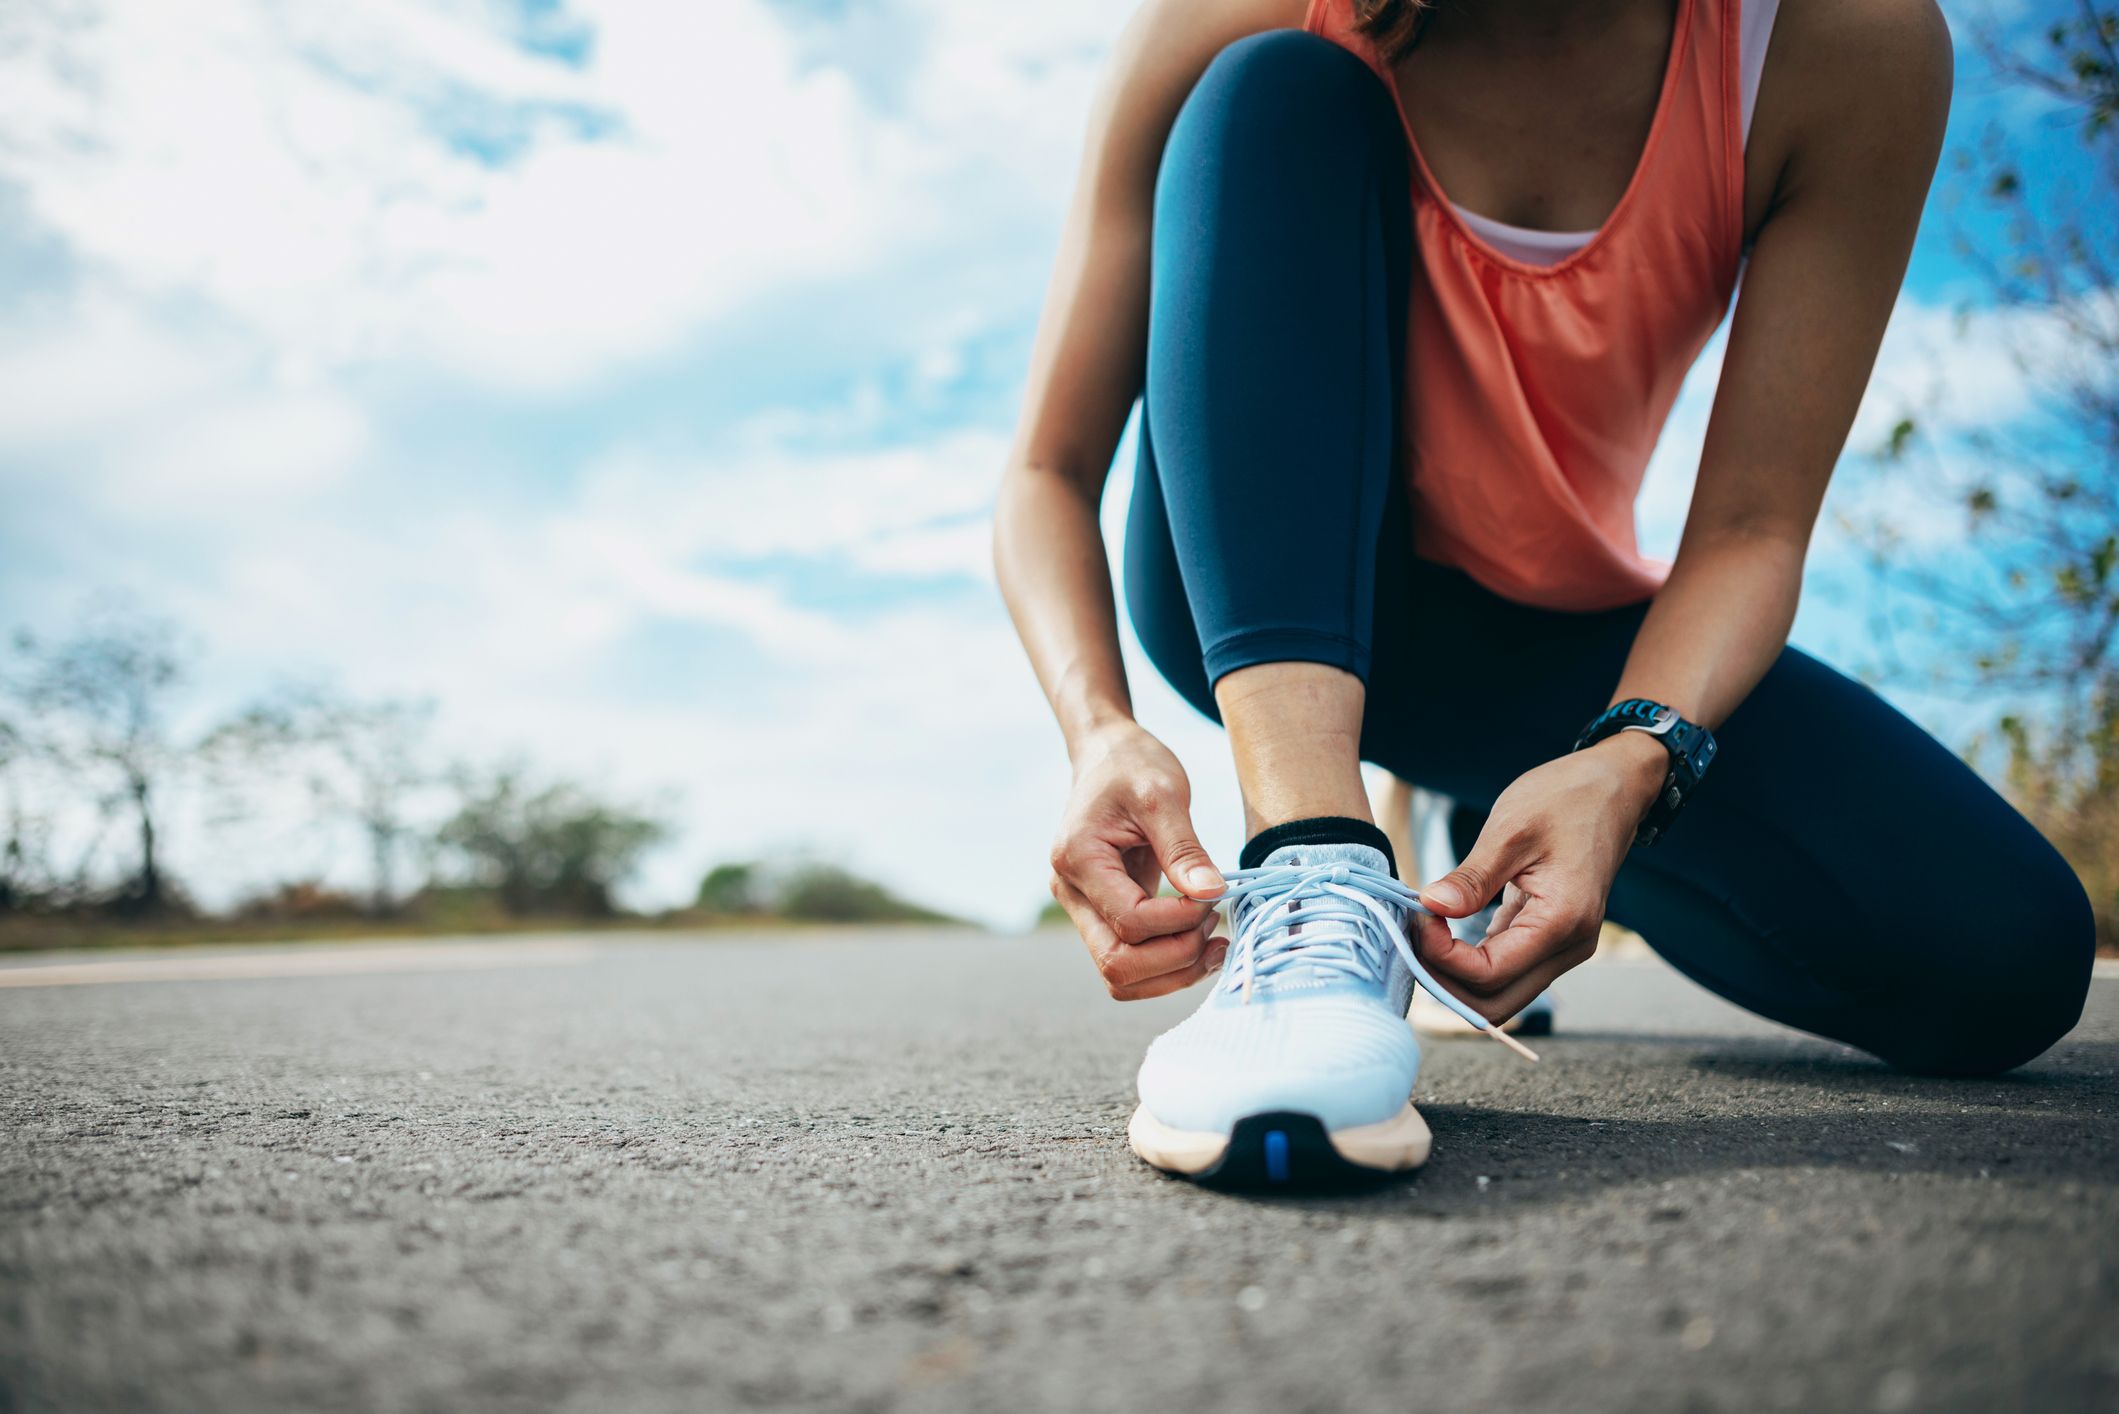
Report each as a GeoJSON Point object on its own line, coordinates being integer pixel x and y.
{"type": "Point", "coordinates": [887, 1172]}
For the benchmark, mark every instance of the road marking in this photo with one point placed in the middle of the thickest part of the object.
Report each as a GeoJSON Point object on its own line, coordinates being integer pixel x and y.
{"type": "Point", "coordinates": [2105, 967]}
{"type": "Point", "coordinates": [307, 962]}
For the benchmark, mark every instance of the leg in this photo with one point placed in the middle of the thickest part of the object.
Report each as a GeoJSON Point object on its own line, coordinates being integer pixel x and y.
{"type": "Point", "coordinates": [1275, 331]}
{"type": "Point", "coordinates": [1266, 460]}
{"type": "Point", "coordinates": [1834, 872]}
{"type": "Point", "coordinates": [1295, 731]}
{"type": "Point", "coordinates": [1394, 803]}
{"type": "Point", "coordinates": [1841, 871]}
{"type": "Point", "coordinates": [1875, 891]}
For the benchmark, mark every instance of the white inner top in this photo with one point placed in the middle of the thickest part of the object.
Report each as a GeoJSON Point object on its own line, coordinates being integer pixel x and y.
{"type": "Point", "coordinates": [1754, 32]}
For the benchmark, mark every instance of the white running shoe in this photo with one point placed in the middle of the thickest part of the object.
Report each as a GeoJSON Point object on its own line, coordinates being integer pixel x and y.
{"type": "Point", "coordinates": [1298, 1065]}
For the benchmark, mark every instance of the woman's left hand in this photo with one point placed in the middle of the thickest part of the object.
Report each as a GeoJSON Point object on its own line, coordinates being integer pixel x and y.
{"type": "Point", "coordinates": [1554, 841]}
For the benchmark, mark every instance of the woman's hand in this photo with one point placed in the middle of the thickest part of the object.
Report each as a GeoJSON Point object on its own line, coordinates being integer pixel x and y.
{"type": "Point", "coordinates": [1554, 842]}
{"type": "Point", "coordinates": [1128, 825]}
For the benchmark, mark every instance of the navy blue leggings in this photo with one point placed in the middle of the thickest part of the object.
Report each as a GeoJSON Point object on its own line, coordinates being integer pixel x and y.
{"type": "Point", "coordinates": [1839, 870]}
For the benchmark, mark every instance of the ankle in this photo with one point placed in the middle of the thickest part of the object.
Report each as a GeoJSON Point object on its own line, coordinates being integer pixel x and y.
{"type": "Point", "coordinates": [1315, 830]}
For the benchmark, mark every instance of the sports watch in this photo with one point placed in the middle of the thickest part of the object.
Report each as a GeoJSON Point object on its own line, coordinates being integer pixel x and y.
{"type": "Point", "coordinates": [1691, 748]}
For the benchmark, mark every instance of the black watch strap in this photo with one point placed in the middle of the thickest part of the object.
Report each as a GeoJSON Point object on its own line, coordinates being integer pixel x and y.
{"type": "Point", "coordinates": [1691, 747]}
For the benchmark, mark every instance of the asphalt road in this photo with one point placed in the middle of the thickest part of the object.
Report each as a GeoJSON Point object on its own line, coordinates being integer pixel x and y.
{"type": "Point", "coordinates": [889, 1173]}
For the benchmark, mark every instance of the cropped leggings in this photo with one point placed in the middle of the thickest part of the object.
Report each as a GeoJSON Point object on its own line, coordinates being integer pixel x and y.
{"type": "Point", "coordinates": [1838, 871]}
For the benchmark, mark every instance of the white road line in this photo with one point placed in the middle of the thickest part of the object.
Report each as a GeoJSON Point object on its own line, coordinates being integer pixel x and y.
{"type": "Point", "coordinates": [305, 962]}
{"type": "Point", "coordinates": [2105, 967]}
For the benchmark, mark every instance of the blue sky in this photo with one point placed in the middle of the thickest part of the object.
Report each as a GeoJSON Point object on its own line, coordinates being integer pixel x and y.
{"type": "Point", "coordinates": [630, 377]}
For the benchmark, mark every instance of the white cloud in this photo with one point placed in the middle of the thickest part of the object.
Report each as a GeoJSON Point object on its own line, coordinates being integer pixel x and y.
{"type": "Point", "coordinates": [69, 373]}
{"type": "Point", "coordinates": [766, 499]}
{"type": "Point", "coordinates": [314, 173]}
{"type": "Point", "coordinates": [143, 417]}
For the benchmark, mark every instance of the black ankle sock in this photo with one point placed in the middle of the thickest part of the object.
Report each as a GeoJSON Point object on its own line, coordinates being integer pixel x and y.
{"type": "Point", "coordinates": [1321, 829]}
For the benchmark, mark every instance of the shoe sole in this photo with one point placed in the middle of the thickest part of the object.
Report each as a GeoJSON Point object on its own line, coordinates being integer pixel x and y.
{"type": "Point", "coordinates": [1283, 1149]}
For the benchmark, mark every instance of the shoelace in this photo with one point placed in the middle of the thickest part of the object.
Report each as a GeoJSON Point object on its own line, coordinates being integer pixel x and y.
{"type": "Point", "coordinates": [1342, 909]}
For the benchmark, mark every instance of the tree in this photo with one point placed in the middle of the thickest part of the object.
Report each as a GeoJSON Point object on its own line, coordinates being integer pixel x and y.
{"type": "Point", "coordinates": [731, 888]}
{"type": "Point", "coordinates": [547, 848]}
{"type": "Point", "coordinates": [21, 880]}
{"type": "Point", "coordinates": [362, 762]}
{"type": "Point", "coordinates": [809, 891]}
{"type": "Point", "coordinates": [825, 893]}
{"type": "Point", "coordinates": [2030, 621]}
{"type": "Point", "coordinates": [97, 705]}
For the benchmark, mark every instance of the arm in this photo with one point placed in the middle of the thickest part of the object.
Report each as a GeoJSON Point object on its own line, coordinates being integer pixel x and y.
{"type": "Point", "coordinates": [1128, 818]}
{"type": "Point", "coordinates": [1869, 93]}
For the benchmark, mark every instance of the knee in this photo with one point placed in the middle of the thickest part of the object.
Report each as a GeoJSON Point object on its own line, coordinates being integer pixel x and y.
{"type": "Point", "coordinates": [1289, 62]}
{"type": "Point", "coordinates": [1298, 85]}
{"type": "Point", "coordinates": [2025, 990]}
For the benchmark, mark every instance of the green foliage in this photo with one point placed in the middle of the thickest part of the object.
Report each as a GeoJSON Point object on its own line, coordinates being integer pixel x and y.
{"type": "Point", "coordinates": [806, 891]}
{"type": "Point", "coordinates": [2077, 808]}
{"type": "Point", "coordinates": [731, 888]}
{"type": "Point", "coordinates": [1901, 438]}
{"type": "Point", "coordinates": [825, 893]}
{"type": "Point", "coordinates": [550, 848]}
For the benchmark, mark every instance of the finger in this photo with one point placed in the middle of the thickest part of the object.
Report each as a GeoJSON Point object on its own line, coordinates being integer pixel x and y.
{"type": "Point", "coordinates": [1097, 871]}
{"type": "Point", "coordinates": [1209, 963]}
{"type": "Point", "coordinates": [1504, 1004]}
{"type": "Point", "coordinates": [1500, 853]}
{"type": "Point", "coordinates": [1143, 870]}
{"type": "Point", "coordinates": [1096, 934]}
{"type": "Point", "coordinates": [1177, 849]}
{"type": "Point", "coordinates": [1541, 929]}
{"type": "Point", "coordinates": [1159, 917]}
{"type": "Point", "coordinates": [1124, 964]}
{"type": "Point", "coordinates": [1132, 963]}
{"type": "Point", "coordinates": [1430, 934]}
{"type": "Point", "coordinates": [1511, 907]}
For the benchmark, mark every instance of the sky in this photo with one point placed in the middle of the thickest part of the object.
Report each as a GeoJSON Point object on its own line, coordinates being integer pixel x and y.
{"type": "Point", "coordinates": [633, 379]}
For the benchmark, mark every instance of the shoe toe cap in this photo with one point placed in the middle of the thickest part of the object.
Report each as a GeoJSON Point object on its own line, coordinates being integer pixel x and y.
{"type": "Point", "coordinates": [1347, 1066]}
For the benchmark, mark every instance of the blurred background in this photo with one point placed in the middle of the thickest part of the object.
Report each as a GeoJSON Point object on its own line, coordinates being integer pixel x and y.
{"type": "Point", "coordinates": [467, 463]}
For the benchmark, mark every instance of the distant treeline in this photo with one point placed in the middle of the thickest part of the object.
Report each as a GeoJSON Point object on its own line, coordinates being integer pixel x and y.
{"type": "Point", "coordinates": [93, 763]}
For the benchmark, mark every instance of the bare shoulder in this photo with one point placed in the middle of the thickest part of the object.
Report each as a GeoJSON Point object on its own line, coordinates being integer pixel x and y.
{"type": "Point", "coordinates": [1883, 60]}
{"type": "Point", "coordinates": [1855, 93]}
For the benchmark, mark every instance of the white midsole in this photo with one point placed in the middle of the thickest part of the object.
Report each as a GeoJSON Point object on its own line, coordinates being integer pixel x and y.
{"type": "Point", "coordinates": [1391, 1146]}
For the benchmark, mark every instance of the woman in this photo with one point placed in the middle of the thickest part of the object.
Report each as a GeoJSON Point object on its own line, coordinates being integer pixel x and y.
{"type": "Point", "coordinates": [1407, 292]}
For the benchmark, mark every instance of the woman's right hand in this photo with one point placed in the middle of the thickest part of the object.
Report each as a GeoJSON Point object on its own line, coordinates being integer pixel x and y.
{"type": "Point", "coordinates": [1128, 826]}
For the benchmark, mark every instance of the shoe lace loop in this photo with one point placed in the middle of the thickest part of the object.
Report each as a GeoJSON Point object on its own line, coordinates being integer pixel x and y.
{"type": "Point", "coordinates": [1334, 917]}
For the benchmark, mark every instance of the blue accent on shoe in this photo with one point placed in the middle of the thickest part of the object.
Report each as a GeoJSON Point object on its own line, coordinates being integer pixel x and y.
{"type": "Point", "coordinates": [1276, 1147]}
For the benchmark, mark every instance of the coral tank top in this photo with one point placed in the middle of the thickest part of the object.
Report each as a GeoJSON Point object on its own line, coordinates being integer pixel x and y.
{"type": "Point", "coordinates": [1535, 394]}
